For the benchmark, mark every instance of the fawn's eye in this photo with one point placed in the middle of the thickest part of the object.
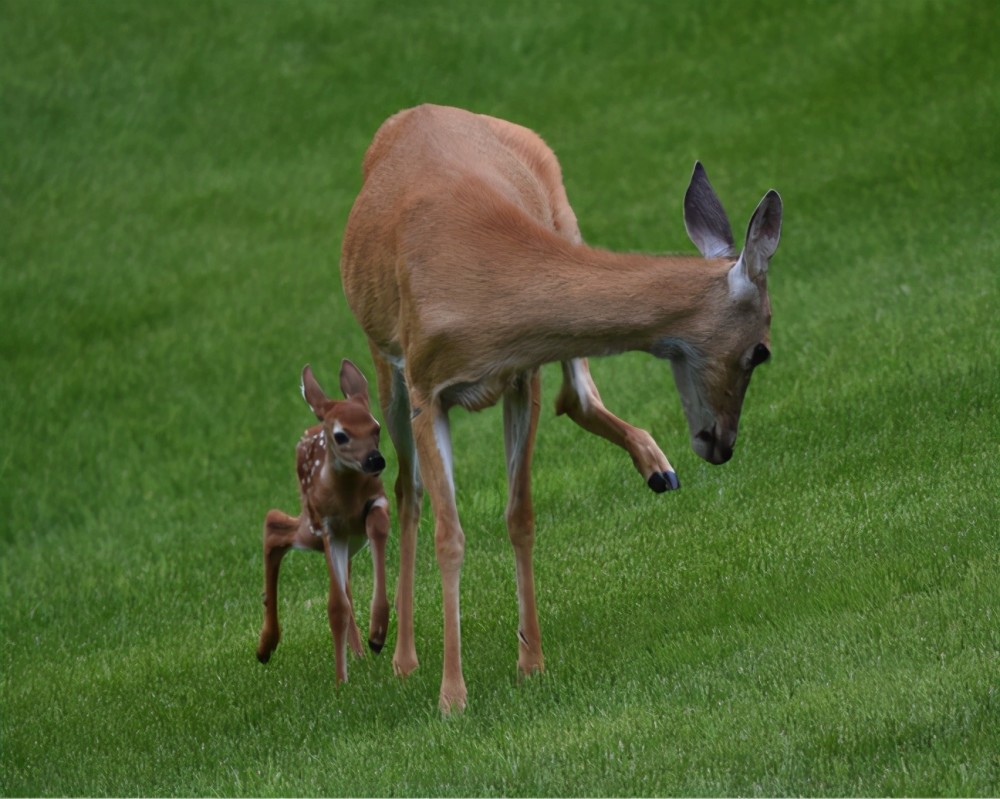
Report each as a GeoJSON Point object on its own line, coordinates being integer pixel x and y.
{"type": "Point", "coordinates": [341, 437]}
{"type": "Point", "coordinates": [760, 354]}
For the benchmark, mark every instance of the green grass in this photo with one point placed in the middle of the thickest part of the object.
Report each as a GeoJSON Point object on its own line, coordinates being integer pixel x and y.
{"type": "Point", "coordinates": [818, 617]}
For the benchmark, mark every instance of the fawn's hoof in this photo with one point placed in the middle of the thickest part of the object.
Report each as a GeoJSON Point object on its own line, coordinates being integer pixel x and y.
{"type": "Point", "coordinates": [375, 646]}
{"type": "Point", "coordinates": [266, 645]}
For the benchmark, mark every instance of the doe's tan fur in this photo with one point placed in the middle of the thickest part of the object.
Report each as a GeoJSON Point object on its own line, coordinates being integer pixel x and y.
{"type": "Point", "coordinates": [463, 261]}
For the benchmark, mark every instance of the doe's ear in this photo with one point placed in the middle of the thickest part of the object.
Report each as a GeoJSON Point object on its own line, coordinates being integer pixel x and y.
{"type": "Point", "coordinates": [705, 218]}
{"type": "Point", "coordinates": [352, 382]}
{"type": "Point", "coordinates": [314, 396]}
{"type": "Point", "coordinates": [763, 235]}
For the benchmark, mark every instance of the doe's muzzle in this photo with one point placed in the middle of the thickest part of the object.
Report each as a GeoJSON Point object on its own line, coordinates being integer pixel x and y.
{"type": "Point", "coordinates": [713, 448]}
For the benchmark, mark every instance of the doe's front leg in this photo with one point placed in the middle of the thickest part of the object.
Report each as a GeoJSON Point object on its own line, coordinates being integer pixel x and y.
{"type": "Point", "coordinates": [395, 400]}
{"type": "Point", "coordinates": [580, 400]}
{"type": "Point", "coordinates": [521, 407]}
{"type": "Point", "coordinates": [433, 441]}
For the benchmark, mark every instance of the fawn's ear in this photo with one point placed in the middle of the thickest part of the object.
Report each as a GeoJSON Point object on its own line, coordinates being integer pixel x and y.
{"type": "Point", "coordinates": [352, 382]}
{"type": "Point", "coordinates": [313, 394]}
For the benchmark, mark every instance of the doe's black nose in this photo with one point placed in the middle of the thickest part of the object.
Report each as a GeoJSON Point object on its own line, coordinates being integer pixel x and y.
{"type": "Point", "coordinates": [718, 451]}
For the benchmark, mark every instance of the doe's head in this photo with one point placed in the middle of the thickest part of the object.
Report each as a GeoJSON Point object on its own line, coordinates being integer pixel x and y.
{"type": "Point", "coordinates": [352, 433]}
{"type": "Point", "coordinates": [712, 368]}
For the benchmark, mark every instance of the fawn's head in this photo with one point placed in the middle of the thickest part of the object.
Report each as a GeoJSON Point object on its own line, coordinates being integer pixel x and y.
{"type": "Point", "coordinates": [352, 433]}
{"type": "Point", "coordinates": [713, 371]}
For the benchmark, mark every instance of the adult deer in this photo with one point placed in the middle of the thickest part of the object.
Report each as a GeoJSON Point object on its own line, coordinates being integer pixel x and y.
{"type": "Point", "coordinates": [464, 264]}
{"type": "Point", "coordinates": [343, 508]}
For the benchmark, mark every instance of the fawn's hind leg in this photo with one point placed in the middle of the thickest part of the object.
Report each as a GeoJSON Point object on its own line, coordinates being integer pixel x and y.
{"type": "Point", "coordinates": [281, 533]}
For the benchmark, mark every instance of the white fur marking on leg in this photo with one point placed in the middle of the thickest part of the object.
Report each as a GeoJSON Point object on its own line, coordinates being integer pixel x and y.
{"type": "Point", "coordinates": [517, 429]}
{"type": "Point", "coordinates": [339, 554]}
{"type": "Point", "coordinates": [442, 437]}
{"type": "Point", "coordinates": [579, 381]}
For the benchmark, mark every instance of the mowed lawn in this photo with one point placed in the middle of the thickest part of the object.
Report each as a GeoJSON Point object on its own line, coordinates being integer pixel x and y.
{"type": "Point", "coordinates": [817, 617]}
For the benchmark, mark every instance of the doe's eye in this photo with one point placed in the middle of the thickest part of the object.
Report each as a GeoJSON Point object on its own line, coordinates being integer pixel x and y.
{"type": "Point", "coordinates": [760, 354]}
{"type": "Point", "coordinates": [341, 437]}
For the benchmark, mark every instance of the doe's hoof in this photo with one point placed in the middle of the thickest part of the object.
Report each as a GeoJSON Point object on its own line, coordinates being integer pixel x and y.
{"type": "Point", "coordinates": [663, 481]}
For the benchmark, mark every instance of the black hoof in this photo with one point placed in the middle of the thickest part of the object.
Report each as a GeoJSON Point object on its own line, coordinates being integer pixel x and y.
{"type": "Point", "coordinates": [263, 657]}
{"type": "Point", "coordinates": [375, 647]}
{"type": "Point", "coordinates": [663, 481]}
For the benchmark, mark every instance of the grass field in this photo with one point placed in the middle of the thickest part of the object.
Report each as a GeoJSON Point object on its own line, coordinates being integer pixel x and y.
{"type": "Point", "coordinates": [819, 616]}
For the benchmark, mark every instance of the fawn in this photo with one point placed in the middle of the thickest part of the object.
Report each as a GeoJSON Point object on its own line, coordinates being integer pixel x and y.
{"type": "Point", "coordinates": [344, 507]}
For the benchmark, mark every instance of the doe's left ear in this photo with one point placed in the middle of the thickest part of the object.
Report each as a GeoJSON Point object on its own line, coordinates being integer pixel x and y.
{"type": "Point", "coordinates": [352, 382]}
{"type": "Point", "coordinates": [763, 235]}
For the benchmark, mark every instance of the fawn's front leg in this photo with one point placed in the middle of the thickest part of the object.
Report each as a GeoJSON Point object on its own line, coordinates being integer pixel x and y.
{"type": "Point", "coordinates": [377, 530]}
{"type": "Point", "coordinates": [353, 633]}
{"type": "Point", "coordinates": [339, 610]}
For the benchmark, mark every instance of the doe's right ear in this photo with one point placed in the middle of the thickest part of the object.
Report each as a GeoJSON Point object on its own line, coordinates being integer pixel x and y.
{"type": "Point", "coordinates": [705, 218]}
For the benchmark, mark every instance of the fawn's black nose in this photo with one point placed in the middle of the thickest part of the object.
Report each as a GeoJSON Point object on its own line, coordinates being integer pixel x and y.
{"type": "Point", "coordinates": [374, 463]}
